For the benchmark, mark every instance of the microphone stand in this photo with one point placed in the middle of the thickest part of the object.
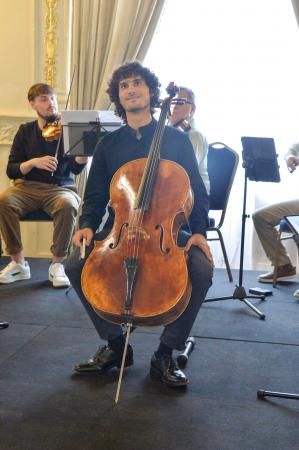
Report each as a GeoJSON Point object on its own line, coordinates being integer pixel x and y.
{"type": "Point", "coordinates": [261, 394]}
{"type": "Point", "coordinates": [183, 357]}
{"type": "Point", "coordinates": [240, 292]}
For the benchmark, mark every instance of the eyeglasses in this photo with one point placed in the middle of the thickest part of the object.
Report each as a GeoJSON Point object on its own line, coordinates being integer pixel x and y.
{"type": "Point", "coordinates": [181, 101]}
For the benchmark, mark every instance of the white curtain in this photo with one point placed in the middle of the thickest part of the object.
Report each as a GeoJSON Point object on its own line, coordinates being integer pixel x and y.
{"type": "Point", "coordinates": [106, 33]}
{"type": "Point", "coordinates": [241, 62]}
{"type": "Point", "coordinates": [295, 4]}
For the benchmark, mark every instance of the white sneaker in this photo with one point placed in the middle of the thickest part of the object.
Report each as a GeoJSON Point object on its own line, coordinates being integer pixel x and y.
{"type": "Point", "coordinates": [296, 293]}
{"type": "Point", "coordinates": [15, 272]}
{"type": "Point", "coordinates": [57, 275]}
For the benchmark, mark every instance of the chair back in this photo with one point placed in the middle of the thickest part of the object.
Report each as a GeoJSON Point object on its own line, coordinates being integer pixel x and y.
{"type": "Point", "coordinates": [222, 165]}
{"type": "Point", "coordinates": [36, 216]}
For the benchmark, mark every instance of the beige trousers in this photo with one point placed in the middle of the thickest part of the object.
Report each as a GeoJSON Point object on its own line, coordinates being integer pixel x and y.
{"type": "Point", "coordinates": [60, 202]}
{"type": "Point", "coordinates": [265, 220]}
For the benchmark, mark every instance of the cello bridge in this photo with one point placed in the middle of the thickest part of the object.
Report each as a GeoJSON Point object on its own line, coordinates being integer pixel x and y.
{"type": "Point", "coordinates": [137, 233]}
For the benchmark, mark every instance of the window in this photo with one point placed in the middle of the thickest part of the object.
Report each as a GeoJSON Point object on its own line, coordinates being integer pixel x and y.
{"type": "Point", "coordinates": [240, 58]}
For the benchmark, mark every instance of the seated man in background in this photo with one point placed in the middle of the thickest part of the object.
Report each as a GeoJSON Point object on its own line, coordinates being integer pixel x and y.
{"type": "Point", "coordinates": [182, 118]}
{"type": "Point", "coordinates": [43, 178]}
{"type": "Point", "coordinates": [266, 219]}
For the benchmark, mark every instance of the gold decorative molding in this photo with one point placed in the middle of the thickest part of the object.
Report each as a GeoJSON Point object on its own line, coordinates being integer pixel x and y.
{"type": "Point", "coordinates": [52, 45]}
{"type": "Point", "coordinates": [51, 41]}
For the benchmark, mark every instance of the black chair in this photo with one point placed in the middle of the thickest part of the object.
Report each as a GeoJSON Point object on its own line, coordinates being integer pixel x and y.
{"type": "Point", "coordinates": [222, 165]}
{"type": "Point", "coordinates": [288, 234]}
{"type": "Point", "coordinates": [35, 216]}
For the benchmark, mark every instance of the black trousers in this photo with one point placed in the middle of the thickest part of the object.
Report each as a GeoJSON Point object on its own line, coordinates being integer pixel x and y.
{"type": "Point", "coordinates": [174, 334]}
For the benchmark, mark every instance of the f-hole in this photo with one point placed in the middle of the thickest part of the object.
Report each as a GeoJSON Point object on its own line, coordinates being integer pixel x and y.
{"type": "Point", "coordinates": [113, 246]}
{"type": "Point", "coordinates": [167, 249]}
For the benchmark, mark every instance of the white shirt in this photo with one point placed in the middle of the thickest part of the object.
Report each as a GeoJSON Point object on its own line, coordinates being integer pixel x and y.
{"type": "Point", "coordinates": [200, 146]}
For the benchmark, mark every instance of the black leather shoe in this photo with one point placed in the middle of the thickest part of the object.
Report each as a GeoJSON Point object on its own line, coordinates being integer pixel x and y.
{"type": "Point", "coordinates": [165, 369]}
{"type": "Point", "coordinates": [104, 360]}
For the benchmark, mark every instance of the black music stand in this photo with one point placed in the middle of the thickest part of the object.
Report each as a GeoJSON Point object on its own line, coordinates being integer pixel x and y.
{"type": "Point", "coordinates": [260, 164]}
{"type": "Point", "coordinates": [82, 129]}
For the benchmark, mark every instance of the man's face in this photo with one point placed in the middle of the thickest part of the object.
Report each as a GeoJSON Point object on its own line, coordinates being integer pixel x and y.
{"type": "Point", "coordinates": [45, 106]}
{"type": "Point", "coordinates": [134, 94]}
{"type": "Point", "coordinates": [182, 112]}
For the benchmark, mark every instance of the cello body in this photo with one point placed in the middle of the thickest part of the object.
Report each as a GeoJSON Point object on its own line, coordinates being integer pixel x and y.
{"type": "Point", "coordinates": [138, 274]}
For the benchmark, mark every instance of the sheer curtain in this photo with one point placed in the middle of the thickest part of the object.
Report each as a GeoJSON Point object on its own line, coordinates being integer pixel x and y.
{"type": "Point", "coordinates": [105, 33]}
{"type": "Point", "coordinates": [296, 9]}
{"type": "Point", "coordinates": [240, 58]}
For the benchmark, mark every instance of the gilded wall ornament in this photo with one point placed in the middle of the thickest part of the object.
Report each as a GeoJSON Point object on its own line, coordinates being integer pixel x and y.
{"type": "Point", "coordinates": [51, 41]}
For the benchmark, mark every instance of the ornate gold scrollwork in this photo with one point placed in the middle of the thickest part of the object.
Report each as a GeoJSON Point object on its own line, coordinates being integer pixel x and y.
{"type": "Point", "coordinates": [51, 41]}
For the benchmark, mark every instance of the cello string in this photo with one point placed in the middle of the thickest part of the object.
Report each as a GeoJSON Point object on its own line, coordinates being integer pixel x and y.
{"type": "Point", "coordinates": [150, 171]}
{"type": "Point", "coordinates": [135, 230]}
{"type": "Point", "coordinates": [140, 212]}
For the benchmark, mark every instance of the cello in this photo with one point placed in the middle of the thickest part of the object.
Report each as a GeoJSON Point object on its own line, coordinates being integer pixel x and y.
{"type": "Point", "coordinates": [138, 275]}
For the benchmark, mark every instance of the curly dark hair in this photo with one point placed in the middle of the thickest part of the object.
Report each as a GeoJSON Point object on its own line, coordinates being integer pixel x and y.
{"type": "Point", "coordinates": [128, 70]}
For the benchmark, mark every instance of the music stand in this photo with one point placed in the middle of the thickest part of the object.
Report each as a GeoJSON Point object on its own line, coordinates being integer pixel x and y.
{"type": "Point", "coordinates": [83, 128]}
{"type": "Point", "coordinates": [260, 164]}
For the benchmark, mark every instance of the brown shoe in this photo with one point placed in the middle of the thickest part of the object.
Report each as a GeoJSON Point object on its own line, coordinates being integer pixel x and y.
{"type": "Point", "coordinates": [284, 273]}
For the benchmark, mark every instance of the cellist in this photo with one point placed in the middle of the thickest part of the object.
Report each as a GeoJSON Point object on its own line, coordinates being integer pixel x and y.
{"type": "Point", "coordinates": [134, 90]}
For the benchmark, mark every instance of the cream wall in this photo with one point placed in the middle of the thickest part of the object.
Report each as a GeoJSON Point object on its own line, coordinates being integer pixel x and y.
{"type": "Point", "coordinates": [16, 49]}
{"type": "Point", "coordinates": [23, 33]}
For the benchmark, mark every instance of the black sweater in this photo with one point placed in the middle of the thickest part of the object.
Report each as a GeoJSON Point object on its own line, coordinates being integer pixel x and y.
{"type": "Point", "coordinates": [121, 146]}
{"type": "Point", "coordinates": [29, 143]}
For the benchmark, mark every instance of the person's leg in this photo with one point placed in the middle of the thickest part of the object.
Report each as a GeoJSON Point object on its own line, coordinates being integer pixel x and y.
{"type": "Point", "coordinates": [110, 355]}
{"type": "Point", "coordinates": [201, 272]}
{"type": "Point", "coordinates": [265, 220]}
{"type": "Point", "coordinates": [15, 202]}
{"type": "Point", "coordinates": [176, 333]}
{"type": "Point", "coordinates": [73, 267]}
{"type": "Point", "coordinates": [61, 203]}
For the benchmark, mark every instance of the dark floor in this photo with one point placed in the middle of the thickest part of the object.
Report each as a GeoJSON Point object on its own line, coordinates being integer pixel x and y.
{"type": "Point", "coordinates": [43, 406]}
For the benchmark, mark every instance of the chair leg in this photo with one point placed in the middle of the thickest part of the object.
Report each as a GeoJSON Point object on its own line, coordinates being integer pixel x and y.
{"type": "Point", "coordinates": [275, 271]}
{"type": "Point", "coordinates": [229, 273]}
{"type": "Point", "coordinates": [68, 290]}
